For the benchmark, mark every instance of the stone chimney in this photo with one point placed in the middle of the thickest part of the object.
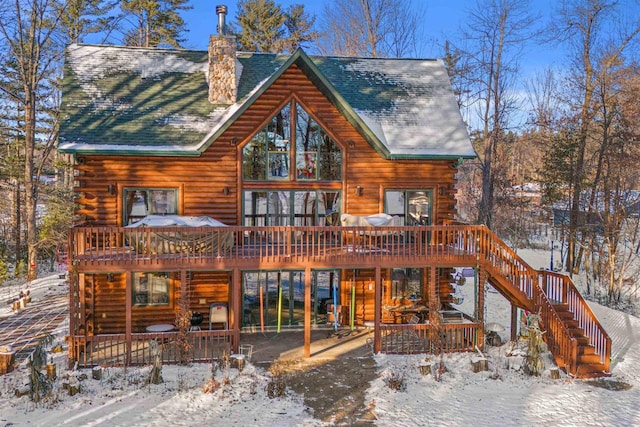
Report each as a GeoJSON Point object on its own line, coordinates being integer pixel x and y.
{"type": "Point", "coordinates": [223, 87]}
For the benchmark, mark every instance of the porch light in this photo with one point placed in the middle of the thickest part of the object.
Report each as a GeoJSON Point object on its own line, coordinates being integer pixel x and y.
{"type": "Point", "coordinates": [112, 189]}
{"type": "Point", "coordinates": [359, 191]}
{"type": "Point", "coordinates": [226, 191]}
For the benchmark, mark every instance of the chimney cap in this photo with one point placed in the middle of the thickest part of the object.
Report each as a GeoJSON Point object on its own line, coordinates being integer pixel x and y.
{"type": "Point", "coordinates": [221, 11]}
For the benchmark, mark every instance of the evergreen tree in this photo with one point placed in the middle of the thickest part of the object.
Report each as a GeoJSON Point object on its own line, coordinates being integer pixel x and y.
{"type": "Point", "coordinates": [266, 27]}
{"type": "Point", "coordinates": [154, 23]}
{"type": "Point", "coordinates": [82, 17]}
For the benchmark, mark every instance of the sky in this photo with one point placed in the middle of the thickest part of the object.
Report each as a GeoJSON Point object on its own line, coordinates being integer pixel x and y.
{"type": "Point", "coordinates": [442, 20]}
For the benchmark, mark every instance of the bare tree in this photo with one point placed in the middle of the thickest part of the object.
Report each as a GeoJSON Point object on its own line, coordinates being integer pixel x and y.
{"type": "Point", "coordinates": [598, 36]}
{"type": "Point", "coordinates": [370, 28]}
{"type": "Point", "coordinates": [495, 34]}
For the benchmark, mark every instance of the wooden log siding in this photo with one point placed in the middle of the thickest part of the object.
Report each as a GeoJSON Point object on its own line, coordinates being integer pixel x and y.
{"type": "Point", "coordinates": [201, 180]}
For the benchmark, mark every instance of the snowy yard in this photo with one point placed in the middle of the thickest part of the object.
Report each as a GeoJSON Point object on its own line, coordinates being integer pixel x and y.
{"type": "Point", "coordinates": [503, 395]}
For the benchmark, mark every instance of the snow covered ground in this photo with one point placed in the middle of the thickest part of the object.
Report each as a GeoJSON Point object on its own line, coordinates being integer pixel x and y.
{"type": "Point", "coordinates": [504, 395]}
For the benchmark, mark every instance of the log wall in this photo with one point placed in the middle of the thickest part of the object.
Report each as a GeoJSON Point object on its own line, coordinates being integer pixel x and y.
{"type": "Point", "coordinates": [201, 180]}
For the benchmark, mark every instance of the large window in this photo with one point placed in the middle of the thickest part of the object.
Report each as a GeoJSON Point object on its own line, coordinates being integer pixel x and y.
{"type": "Point", "coordinates": [298, 208]}
{"type": "Point", "coordinates": [140, 202]}
{"type": "Point", "coordinates": [412, 205]}
{"type": "Point", "coordinates": [278, 154]}
{"type": "Point", "coordinates": [151, 289]}
{"type": "Point", "coordinates": [406, 283]}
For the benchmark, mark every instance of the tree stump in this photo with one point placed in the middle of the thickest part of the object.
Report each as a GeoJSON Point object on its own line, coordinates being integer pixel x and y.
{"type": "Point", "coordinates": [425, 369]}
{"type": "Point", "coordinates": [96, 373]}
{"type": "Point", "coordinates": [554, 373]}
{"type": "Point", "coordinates": [480, 364]}
{"type": "Point", "coordinates": [237, 361]}
{"type": "Point", "coordinates": [6, 359]}
{"type": "Point", "coordinates": [22, 391]}
{"type": "Point", "coordinates": [74, 388]}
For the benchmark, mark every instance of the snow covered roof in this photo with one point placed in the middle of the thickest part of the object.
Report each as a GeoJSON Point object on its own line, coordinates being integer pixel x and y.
{"type": "Point", "coordinates": [154, 101]}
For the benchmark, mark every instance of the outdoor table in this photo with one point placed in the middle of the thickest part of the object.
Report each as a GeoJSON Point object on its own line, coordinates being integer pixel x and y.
{"type": "Point", "coordinates": [161, 327]}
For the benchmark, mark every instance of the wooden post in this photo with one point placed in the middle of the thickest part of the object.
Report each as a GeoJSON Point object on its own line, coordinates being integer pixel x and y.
{"type": "Point", "coordinates": [236, 299]}
{"type": "Point", "coordinates": [307, 312]}
{"type": "Point", "coordinates": [128, 305]}
{"type": "Point", "coordinates": [377, 336]}
{"type": "Point", "coordinates": [482, 278]}
{"type": "Point", "coordinates": [514, 322]}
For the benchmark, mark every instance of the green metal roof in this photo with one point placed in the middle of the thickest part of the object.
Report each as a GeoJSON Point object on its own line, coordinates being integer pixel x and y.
{"type": "Point", "coordinates": [124, 100]}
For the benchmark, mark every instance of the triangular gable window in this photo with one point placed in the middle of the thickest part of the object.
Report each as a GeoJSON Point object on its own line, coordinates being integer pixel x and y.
{"type": "Point", "coordinates": [276, 153]}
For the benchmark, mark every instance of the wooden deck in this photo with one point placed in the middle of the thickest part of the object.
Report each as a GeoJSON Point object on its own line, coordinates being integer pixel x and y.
{"type": "Point", "coordinates": [103, 248]}
{"type": "Point", "coordinates": [573, 333]}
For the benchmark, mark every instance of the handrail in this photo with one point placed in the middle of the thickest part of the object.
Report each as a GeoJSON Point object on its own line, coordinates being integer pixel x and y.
{"type": "Point", "coordinates": [543, 289]}
{"type": "Point", "coordinates": [540, 289]}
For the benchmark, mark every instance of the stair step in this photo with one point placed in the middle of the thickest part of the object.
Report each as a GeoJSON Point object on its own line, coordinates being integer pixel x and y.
{"type": "Point", "coordinates": [591, 370]}
{"type": "Point", "coordinates": [582, 341]}
{"type": "Point", "coordinates": [571, 324]}
{"type": "Point", "coordinates": [589, 359]}
{"type": "Point", "coordinates": [576, 332]}
{"type": "Point", "coordinates": [565, 315]}
{"type": "Point", "coordinates": [586, 350]}
{"type": "Point", "coordinates": [560, 307]}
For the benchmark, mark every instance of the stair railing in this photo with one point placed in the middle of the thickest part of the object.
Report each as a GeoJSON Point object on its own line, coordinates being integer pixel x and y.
{"type": "Point", "coordinates": [544, 288]}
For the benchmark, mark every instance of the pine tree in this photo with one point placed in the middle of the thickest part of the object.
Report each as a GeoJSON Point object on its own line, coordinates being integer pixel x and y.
{"type": "Point", "coordinates": [82, 17]}
{"type": "Point", "coordinates": [266, 27]}
{"type": "Point", "coordinates": [155, 22]}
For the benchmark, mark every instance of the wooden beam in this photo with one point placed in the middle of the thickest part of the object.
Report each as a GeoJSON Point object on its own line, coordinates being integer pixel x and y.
{"type": "Point", "coordinates": [377, 336]}
{"type": "Point", "coordinates": [307, 312]}
{"type": "Point", "coordinates": [128, 298]}
{"type": "Point", "coordinates": [514, 322]}
{"type": "Point", "coordinates": [236, 304]}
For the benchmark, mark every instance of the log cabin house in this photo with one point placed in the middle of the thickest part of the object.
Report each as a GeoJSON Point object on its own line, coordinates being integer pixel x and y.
{"type": "Point", "coordinates": [265, 192]}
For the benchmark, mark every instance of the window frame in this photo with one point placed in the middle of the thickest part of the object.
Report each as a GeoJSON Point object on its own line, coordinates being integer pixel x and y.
{"type": "Point", "coordinates": [302, 164]}
{"type": "Point", "coordinates": [149, 204]}
{"type": "Point", "coordinates": [322, 215]}
{"type": "Point", "coordinates": [429, 192]}
{"type": "Point", "coordinates": [152, 280]}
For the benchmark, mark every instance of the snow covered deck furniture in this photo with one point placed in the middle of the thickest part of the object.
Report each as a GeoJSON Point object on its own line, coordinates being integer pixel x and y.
{"type": "Point", "coordinates": [174, 240]}
{"type": "Point", "coordinates": [365, 234]}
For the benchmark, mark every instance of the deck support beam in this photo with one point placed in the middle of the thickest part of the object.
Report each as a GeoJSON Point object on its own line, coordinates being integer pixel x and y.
{"type": "Point", "coordinates": [307, 312]}
{"type": "Point", "coordinates": [236, 307]}
{"type": "Point", "coordinates": [377, 336]}
{"type": "Point", "coordinates": [482, 283]}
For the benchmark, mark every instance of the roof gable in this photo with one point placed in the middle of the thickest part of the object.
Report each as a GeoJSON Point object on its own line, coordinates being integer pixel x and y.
{"type": "Point", "coordinates": [154, 101]}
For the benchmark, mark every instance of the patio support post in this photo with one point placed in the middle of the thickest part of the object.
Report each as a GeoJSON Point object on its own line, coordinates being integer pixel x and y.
{"type": "Point", "coordinates": [307, 312]}
{"type": "Point", "coordinates": [482, 278]}
{"type": "Point", "coordinates": [236, 309]}
{"type": "Point", "coordinates": [514, 322]}
{"type": "Point", "coordinates": [377, 338]}
{"type": "Point", "coordinates": [128, 304]}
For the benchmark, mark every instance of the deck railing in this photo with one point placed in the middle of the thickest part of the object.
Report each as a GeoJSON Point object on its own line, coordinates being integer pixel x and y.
{"type": "Point", "coordinates": [419, 338]}
{"type": "Point", "coordinates": [105, 245]}
{"type": "Point", "coordinates": [473, 245]}
{"type": "Point", "coordinates": [115, 350]}
{"type": "Point", "coordinates": [544, 289]}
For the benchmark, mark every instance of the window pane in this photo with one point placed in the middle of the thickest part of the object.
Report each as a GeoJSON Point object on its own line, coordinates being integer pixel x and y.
{"type": "Point", "coordinates": [278, 208]}
{"type": "Point", "coordinates": [139, 203]}
{"type": "Point", "coordinates": [266, 156]}
{"type": "Point", "coordinates": [305, 208]}
{"type": "Point", "coordinates": [255, 208]}
{"type": "Point", "coordinates": [318, 157]}
{"type": "Point", "coordinates": [413, 206]}
{"type": "Point", "coordinates": [419, 208]}
{"type": "Point", "coordinates": [329, 207]}
{"type": "Point", "coordinates": [150, 289]}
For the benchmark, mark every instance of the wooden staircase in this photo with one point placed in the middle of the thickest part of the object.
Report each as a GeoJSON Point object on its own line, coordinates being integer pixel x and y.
{"type": "Point", "coordinates": [573, 334]}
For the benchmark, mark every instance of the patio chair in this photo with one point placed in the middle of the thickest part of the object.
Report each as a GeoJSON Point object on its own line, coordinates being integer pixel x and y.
{"type": "Point", "coordinates": [218, 314]}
